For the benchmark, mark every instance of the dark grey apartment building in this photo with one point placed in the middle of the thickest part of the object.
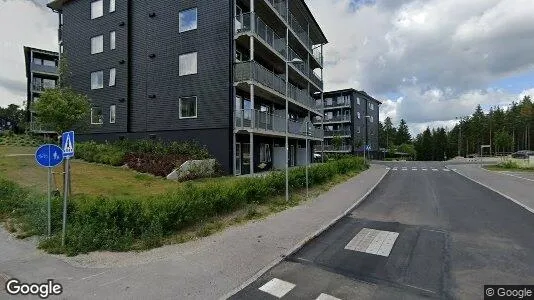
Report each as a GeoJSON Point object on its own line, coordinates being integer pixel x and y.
{"type": "Point", "coordinates": [207, 70]}
{"type": "Point", "coordinates": [352, 116]}
{"type": "Point", "coordinates": [41, 73]}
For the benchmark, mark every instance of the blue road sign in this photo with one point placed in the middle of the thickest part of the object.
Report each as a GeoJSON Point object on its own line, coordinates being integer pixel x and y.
{"type": "Point", "coordinates": [368, 148]}
{"type": "Point", "coordinates": [49, 156]}
{"type": "Point", "coordinates": [67, 144]}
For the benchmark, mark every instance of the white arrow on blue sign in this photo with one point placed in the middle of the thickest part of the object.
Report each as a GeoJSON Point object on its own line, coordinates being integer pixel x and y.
{"type": "Point", "coordinates": [67, 144]}
{"type": "Point", "coordinates": [49, 156]}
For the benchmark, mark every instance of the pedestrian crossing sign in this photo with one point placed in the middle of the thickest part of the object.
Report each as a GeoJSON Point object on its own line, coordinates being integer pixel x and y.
{"type": "Point", "coordinates": [67, 144]}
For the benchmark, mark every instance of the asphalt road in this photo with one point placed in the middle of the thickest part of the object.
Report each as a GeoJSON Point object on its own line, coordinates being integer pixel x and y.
{"type": "Point", "coordinates": [454, 236]}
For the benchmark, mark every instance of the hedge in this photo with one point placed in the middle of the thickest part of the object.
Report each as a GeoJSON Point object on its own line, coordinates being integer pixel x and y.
{"type": "Point", "coordinates": [116, 223]}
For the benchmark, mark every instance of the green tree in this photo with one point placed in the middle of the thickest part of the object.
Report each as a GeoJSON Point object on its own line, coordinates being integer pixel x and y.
{"type": "Point", "coordinates": [16, 114]}
{"type": "Point", "coordinates": [337, 141]}
{"type": "Point", "coordinates": [62, 109]}
{"type": "Point", "coordinates": [403, 134]}
{"type": "Point", "coordinates": [389, 131]}
{"type": "Point", "coordinates": [409, 149]}
{"type": "Point", "coordinates": [503, 141]}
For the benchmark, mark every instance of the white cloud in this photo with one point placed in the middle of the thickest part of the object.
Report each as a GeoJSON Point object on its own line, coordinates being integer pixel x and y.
{"type": "Point", "coordinates": [24, 23]}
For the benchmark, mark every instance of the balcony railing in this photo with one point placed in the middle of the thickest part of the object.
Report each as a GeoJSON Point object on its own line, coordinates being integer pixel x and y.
{"type": "Point", "coordinates": [252, 70]}
{"type": "Point", "coordinates": [40, 87]}
{"type": "Point", "coordinates": [315, 79]}
{"type": "Point", "coordinates": [262, 30]}
{"type": "Point", "coordinates": [332, 148]}
{"type": "Point", "coordinates": [258, 120]}
{"type": "Point", "coordinates": [341, 132]}
{"type": "Point", "coordinates": [334, 104]}
{"type": "Point", "coordinates": [318, 55]}
{"type": "Point", "coordinates": [303, 66]}
{"type": "Point", "coordinates": [299, 31]}
{"type": "Point", "coordinates": [343, 118]}
{"type": "Point", "coordinates": [280, 6]}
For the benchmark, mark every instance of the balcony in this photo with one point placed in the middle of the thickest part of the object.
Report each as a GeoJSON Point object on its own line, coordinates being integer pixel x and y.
{"type": "Point", "coordinates": [332, 148]}
{"type": "Point", "coordinates": [44, 69]}
{"type": "Point", "coordinates": [269, 124]}
{"type": "Point", "coordinates": [316, 80]}
{"type": "Point", "coordinates": [318, 56]}
{"type": "Point", "coordinates": [335, 119]}
{"type": "Point", "coordinates": [279, 6]}
{"type": "Point", "coordinates": [253, 71]}
{"type": "Point", "coordinates": [300, 32]}
{"type": "Point", "coordinates": [302, 67]}
{"type": "Point", "coordinates": [340, 133]}
{"type": "Point", "coordinates": [335, 104]}
{"type": "Point", "coordinates": [243, 24]}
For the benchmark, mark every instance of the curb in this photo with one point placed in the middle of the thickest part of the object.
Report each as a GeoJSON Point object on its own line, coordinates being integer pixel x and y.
{"type": "Point", "coordinates": [301, 244]}
{"type": "Point", "coordinates": [496, 191]}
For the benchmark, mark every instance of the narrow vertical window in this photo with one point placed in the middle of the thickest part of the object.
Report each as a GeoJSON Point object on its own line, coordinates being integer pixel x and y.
{"type": "Point", "coordinates": [188, 20]}
{"type": "Point", "coordinates": [112, 114]}
{"type": "Point", "coordinates": [188, 107]}
{"type": "Point", "coordinates": [97, 9]}
{"type": "Point", "coordinates": [188, 64]}
{"type": "Point", "coordinates": [96, 115]}
{"type": "Point", "coordinates": [97, 80]}
{"type": "Point", "coordinates": [112, 74]}
{"type": "Point", "coordinates": [97, 44]}
{"type": "Point", "coordinates": [111, 6]}
{"type": "Point", "coordinates": [112, 40]}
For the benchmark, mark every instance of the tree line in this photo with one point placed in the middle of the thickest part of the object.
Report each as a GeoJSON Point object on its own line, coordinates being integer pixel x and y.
{"type": "Point", "coordinates": [497, 132]}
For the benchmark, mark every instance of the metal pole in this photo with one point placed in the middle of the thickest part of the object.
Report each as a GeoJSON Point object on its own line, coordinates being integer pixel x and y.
{"type": "Point", "coordinates": [307, 154]}
{"type": "Point", "coordinates": [287, 116]}
{"type": "Point", "coordinates": [49, 200]}
{"type": "Point", "coordinates": [66, 192]}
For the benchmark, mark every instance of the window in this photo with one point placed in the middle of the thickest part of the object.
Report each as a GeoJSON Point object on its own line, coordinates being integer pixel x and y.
{"type": "Point", "coordinates": [112, 40]}
{"type": "Point", "coordinates": [371, 119]}
{"type": "Point", "coordinates": [97, 9]}
{"type": "Point", "coordinates": [358, 100]}
{"type": "Point", "coordinates": [328, 101]}
{"type": "Point", "coordinates": [359, 116]}
{"type": "Point", "coordinates": [188, 19]}
{"type": "Point", "coordinates": [60, 48]}
{"type": "Point", "coordinates": [96, 115]}
{"type": "Point", "coordinates": [358, 129]}
{"type": "Point", "coordinates": [265, 153]}
{"type": "Point", "coordinates": [50, 63]}
{"type": "Point", "coordinates": [97, 44]}
{"type": "Point", "coordinates": [329, 115]}
{"type": "Point", "coordinates": [37, 61]}
{"type": "Point", "coordinates": [318, 103]}
{"type": "Point", "coordinates": [371, 106]}
{"type": "Point", "coordinates": [111, 6]}
{"type": "Point", "coordinates": [112, 114]}
{"type": "Point", "coordinates": [112, 74]}
{"type": "Point", "coordinates": [188, 64]}
{"type": "Point", "coordinates": [49, 83]}
{"type": "Point", "coordinates": [346, 99]}
{"type": "Point", "coordinates": [188, 107]}
{"type": "Point", "coordinates": [97, 80]}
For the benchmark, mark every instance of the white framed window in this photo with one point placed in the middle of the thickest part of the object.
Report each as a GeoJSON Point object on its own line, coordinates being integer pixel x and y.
{"type": "Point", "coordinates": [97, 9]}
{"type": "Point", "coordinates": [96, 115]}
{"type": "Point", "coordinates": [371, 106]}
{"type": "Point", "coordinates": [188, 107]}
{"type": "Point", "coordinates": [188, 19]}
{"type": "Point", "coordinates": [359, 115]}
{"type": "Point", "coordinates": [188, 64]}
{"type": "Point", "coordinates": [97, 44]}
{"type": "Point", "coordinates": [112, 36]}
{"type": "Point", "coordinates": [60, 48]}
{"type": "Point", "coordinates": [328, 101]}
{"type": "Point", "coordinates": [97, 80]}
{"type": "Point", "coordinates": [111, 6]}
{"type": "Point", "coordinates": [358, 100]}
{"type": "Point", "coordinates": [112, 114]}
{"type": "Point", "coordinates": [371, 119]}
{"type": "Point", "coordinates": [112, 75]}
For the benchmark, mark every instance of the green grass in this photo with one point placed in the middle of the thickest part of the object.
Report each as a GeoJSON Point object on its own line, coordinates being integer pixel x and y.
{"type": "Point", "coordinates": [510, 165]}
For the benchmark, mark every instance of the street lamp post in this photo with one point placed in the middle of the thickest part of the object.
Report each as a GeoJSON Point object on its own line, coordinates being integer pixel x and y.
{"type": "Point", "coordinates": [295, 60]}
{"type": "Point", "coordinates": [366, 136]}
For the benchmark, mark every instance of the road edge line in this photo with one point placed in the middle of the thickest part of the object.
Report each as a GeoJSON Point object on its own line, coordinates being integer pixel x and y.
{"type": "Point", "coordinates": [301, 244]}
{"type": "Point", "coordinates": [531, 210]}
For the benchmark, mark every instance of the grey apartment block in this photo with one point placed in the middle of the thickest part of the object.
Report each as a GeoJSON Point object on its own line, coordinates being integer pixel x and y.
{"type": "Point", "coordinates": [211, 71]}
{"type": "Point", "coordinates": [41, 73]}
{"type": "Point", "coordinates": [352, 116]}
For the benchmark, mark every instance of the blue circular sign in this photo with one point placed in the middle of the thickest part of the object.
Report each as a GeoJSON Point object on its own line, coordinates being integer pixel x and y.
{"type": "Point", "coordinates": [49, 156]}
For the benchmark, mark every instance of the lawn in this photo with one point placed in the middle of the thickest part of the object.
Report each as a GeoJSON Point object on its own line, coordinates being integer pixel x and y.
{"type": "Point", "coordinates": [500, 168]}
{"type": "Point", "coordinates": [87, 178]}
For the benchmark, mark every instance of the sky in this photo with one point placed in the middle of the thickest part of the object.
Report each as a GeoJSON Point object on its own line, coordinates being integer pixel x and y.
{"type": "Point", "coordinates": [428, 61]}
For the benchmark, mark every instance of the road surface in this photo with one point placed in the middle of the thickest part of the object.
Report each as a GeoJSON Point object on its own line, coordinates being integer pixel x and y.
{"type": "Point", "coordinates": [424, 233]}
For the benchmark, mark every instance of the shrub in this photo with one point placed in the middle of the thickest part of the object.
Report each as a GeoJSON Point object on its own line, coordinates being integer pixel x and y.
{"type": "Point", "coordinates": [509, 164]}
{"type": "Point", "coordinates": [120, 223]}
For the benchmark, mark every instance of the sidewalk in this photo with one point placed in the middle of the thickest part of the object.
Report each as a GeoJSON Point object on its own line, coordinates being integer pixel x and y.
{"type": "Point", "coordinates": [209, 268]}
{"type": "Point", "coordinates": [519, 189]}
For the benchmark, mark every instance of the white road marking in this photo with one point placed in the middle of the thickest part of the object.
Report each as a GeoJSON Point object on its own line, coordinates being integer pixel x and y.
{"type": "Point", "coordinates": [414, 169]}
{"type": "Point", "coordinates": [372, 241]}
{"type": "Point", "coordinates": [446, 170]}
{"type": "Point", "coordinates": [388, 168]}
{"type": "Point", "coordinates": [424, 169]}
{"type": "Point", "coordinates": [516, 176]}
{"type": "Point", "coordinates": [434, 170]}
{"type": "Point", "coordinates": [395, 169]}
{"type": "Point", "coordinates": [277, 287]}
{"type": "Point", "coordinates": [324, 296]}
{"type": "Point", "coordinates": [405, 169]}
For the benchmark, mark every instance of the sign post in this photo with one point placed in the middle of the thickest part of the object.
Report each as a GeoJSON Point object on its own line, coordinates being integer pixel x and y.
{"type": "Point", "coordinates": [49, 156]}
{"type": "Point", "coordinates": [67, 145]}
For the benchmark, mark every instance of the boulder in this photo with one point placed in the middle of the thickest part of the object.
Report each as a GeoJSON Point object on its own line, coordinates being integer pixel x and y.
{"type": "Point", "coordinates": [193, 169]}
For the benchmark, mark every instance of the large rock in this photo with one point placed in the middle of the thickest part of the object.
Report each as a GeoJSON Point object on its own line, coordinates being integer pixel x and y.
{"type": "Point", "coordinates": [193, 169]}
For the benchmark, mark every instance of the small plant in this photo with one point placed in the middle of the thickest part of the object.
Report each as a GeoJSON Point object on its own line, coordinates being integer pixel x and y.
{"type": "Point", "coordinates": [509, 164]}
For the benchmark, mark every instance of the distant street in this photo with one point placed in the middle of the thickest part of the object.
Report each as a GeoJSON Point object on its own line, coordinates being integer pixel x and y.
{"type": "Point", "coordinates": [425, 232]}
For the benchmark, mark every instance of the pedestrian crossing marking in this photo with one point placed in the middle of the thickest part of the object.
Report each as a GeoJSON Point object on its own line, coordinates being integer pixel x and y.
{"type": "Point", "coordinates": [372, 241]}
{"type": "Point", "coordinates": [395, 169]}
{"type": "Point", "coordinates": [414, 169]}
{"type": "Point", "coordinates": [324, 296]}
{"type": "Point", "coordinates": [434, 170]}
{"type": "Point", "coordinates": [277, 287]}
{"type": "Point", "coordinates": [446, 170]}
{"type": "Point", "coordinates": [424, 169]}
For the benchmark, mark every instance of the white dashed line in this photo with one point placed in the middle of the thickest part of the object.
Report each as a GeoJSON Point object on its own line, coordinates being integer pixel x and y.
{"type": "Point", "coordinates": [424, 169]}
{"type": "Point", "coordinates": [277, 287]}
{"type": "Point", "coordinates": [405, 169]}
{"type": "Point", "coordinates": [395, 169]}
{"type": "Point", "coordinates": [434, 170]}
{"type": "Point", "coordinates": [324, 296]}
{"type": "Point", "coordinates": [446, 170]}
